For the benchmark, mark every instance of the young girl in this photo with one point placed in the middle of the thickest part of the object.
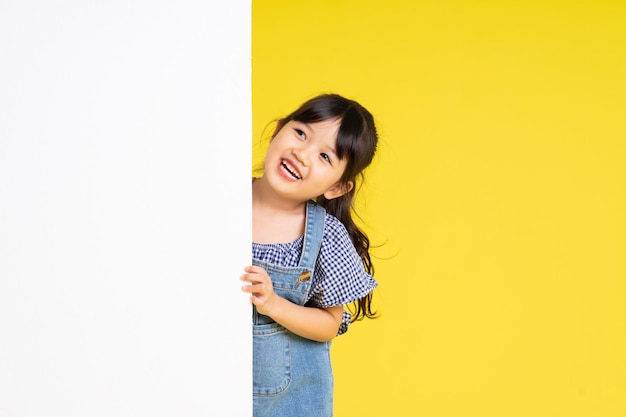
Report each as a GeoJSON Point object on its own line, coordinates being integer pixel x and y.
{"type": "Point", "coordinates": [309, 257]}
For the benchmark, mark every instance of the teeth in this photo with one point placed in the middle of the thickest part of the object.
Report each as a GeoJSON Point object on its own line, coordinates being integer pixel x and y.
{"type": "Point", "coordinates": [290, 171]}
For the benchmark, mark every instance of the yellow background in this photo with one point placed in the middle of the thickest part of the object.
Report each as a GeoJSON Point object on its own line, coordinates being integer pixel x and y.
{"type": "Point", "coordinates": [497, 198]}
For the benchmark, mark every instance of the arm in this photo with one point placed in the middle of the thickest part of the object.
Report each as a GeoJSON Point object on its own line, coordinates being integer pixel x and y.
{"type": "Point", "coordinates": [319, 324]}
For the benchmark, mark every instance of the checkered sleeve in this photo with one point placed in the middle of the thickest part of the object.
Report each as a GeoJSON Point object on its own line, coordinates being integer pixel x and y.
{"type": "Point", "coordinates": [340, 277]}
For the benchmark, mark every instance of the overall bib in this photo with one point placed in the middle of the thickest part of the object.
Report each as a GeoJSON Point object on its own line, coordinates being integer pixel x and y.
{"type": "Point", "coordinates": [292, 376]}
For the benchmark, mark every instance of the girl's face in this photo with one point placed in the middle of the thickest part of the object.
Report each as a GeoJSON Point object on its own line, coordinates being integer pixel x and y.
{"type": "Point", "coordinates": [301, 162]}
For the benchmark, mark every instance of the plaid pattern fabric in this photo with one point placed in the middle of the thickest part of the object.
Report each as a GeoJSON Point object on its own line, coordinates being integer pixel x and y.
{"type": "Point", "coordinates": [339, 277]}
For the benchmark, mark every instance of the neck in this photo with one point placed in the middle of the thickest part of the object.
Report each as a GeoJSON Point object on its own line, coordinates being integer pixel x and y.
{"type": "Point", "coordinates": [275, 219]}
{"type": "Point", "coordinates": [264, 198]}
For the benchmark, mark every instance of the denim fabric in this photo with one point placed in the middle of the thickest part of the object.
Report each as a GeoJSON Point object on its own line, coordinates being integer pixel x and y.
{"type": "Point", "coordinates": [292, 376]}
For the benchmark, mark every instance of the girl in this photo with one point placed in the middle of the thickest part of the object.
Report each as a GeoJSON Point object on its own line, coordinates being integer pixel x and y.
{"type": "Point", "coordinates": [309, 257]}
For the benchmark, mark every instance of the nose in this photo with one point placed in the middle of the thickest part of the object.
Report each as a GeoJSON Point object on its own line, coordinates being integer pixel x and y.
{"type": "Point", "coordinates": [301, 155]}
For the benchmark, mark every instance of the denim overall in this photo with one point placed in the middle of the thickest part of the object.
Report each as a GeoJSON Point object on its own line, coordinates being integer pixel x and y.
{"type": "Point", "coordinates": [292, 376]}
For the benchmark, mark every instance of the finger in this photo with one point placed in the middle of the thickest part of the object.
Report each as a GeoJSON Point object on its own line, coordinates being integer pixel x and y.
{"type": "Point", "coordinates": [254, 289]}
{"type": "Point", "coordinates": [249, 277]}
{"type": "Point", "coordinates": [255, 278]}
{"type": "Point", "coordinates": [257, 301]}
{"type": "Point", "coordinates": [255, 269]}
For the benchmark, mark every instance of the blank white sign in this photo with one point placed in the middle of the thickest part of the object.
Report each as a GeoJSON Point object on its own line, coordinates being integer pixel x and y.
{"type": "Point", "coordinates": [124, 208]}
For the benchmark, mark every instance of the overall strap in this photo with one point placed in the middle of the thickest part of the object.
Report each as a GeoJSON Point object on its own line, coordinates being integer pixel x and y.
{"type": "Point", "coordinates": [313, 232]}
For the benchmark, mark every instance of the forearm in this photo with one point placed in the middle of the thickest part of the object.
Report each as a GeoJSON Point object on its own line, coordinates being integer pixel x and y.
{"type": "Point", "coordinates": [319, 324]}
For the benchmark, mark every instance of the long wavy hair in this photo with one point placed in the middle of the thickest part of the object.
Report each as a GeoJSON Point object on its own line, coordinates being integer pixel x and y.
{"type": "Point", "coordinates": [357, 140]}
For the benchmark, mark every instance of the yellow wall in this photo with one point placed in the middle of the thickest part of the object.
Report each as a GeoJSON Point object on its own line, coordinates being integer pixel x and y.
{"type": "Point", "coordinates": [498, 195]}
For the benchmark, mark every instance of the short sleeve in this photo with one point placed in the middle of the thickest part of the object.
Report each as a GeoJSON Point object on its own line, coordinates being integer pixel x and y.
{"type": "Point", "coordinates": [340, 277]}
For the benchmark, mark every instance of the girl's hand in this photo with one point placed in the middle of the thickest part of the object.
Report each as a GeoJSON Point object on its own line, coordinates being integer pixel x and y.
{"type": "Point", "coordinates": [261, 288]}
{"type": "Point", "coordinates": [320, 324]}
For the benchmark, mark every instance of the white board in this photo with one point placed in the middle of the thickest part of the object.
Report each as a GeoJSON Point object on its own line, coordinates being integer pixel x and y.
{"type": "Point", "coordinates": [124, 208]}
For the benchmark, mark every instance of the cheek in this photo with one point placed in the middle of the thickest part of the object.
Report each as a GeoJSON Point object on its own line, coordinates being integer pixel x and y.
{"type": "Point", "coordinates": [341, 169]}
{"type": "Point", "coordinates": [272, 149]}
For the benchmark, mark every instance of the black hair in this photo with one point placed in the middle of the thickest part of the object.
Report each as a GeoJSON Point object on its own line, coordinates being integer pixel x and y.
{"type": "Point", "coordinates": [357, 140]}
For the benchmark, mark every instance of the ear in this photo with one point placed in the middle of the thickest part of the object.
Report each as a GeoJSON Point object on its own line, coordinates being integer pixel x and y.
{"type": "Point", "coordinates": [339, 189]}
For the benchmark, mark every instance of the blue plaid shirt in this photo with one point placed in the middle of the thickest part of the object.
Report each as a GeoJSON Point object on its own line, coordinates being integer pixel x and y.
{"type": "Point", "coordinates": [339, 277]}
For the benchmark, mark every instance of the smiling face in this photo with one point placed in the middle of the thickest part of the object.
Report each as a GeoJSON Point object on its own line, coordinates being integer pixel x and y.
{"type": "Point", "coordinates": [301, 162]}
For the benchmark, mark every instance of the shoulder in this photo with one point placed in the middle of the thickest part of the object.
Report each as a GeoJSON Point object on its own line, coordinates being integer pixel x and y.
{"type": "Point", "coordinates": [337, 248]}
{"type": "Point", "coordinates": [335, 232]}
{"type": "Point", "coordinates": [340, 272]}
{"type": "Point", "coordinates": [335, 236]}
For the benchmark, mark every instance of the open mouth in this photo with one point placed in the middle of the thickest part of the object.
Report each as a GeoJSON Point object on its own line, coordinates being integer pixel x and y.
{"type": "Point", "coordinates": [290, 170]}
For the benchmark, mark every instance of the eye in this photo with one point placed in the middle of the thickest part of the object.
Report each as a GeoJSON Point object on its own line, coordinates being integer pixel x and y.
{"type": "Point", "coordinates": [325, 157]}
{"type": "Point", "coordinates": [300, 133]}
